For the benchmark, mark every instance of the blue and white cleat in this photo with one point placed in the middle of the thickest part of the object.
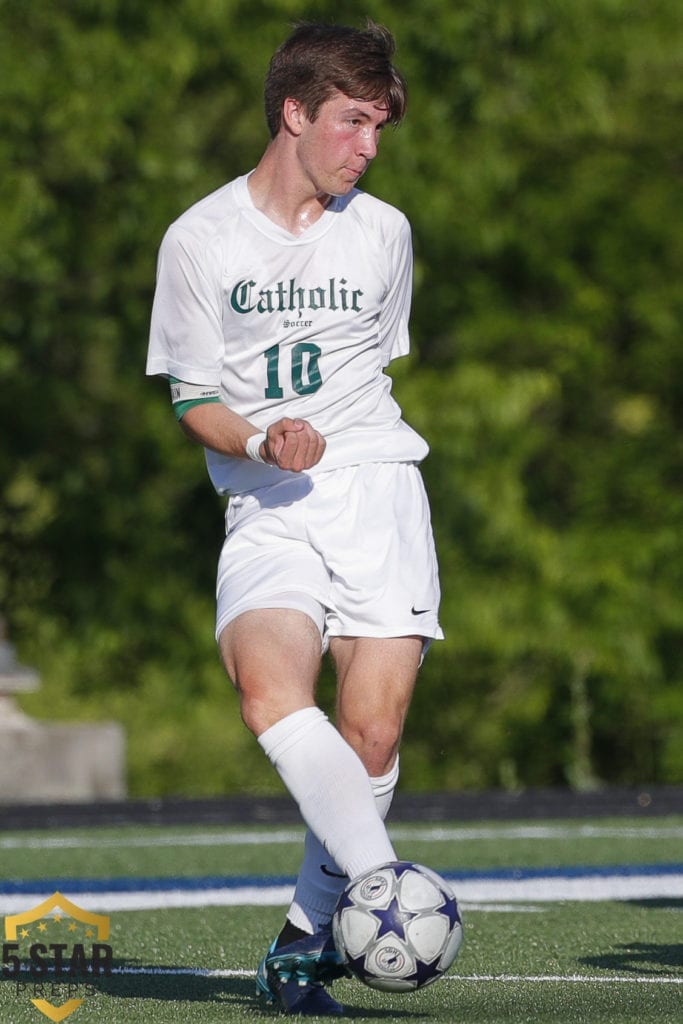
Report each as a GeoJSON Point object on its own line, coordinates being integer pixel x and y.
{"type": "Point", "coordinates": [294, 976]}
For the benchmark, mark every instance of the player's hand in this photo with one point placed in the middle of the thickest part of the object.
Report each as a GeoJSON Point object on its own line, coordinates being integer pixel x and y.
{"type": "Point", "coordinates": [293, 444]}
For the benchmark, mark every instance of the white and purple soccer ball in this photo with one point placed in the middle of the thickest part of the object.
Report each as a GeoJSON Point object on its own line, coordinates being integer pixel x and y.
{"type": "Point", "coordinates": [398, 927]}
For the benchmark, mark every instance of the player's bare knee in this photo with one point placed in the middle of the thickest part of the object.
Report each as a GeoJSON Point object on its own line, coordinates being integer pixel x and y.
{"type": "Point", "coordinates": [251, 718]}
{"type": "Point", "coordinates": [256, 713]}
{"type": "Point", "coordinates": [375, 742]}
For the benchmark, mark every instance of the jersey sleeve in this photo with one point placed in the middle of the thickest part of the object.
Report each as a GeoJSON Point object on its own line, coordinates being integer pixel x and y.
{"type": "Point", "coordinates": [394, 337]}
{"type": "Point", "coordinates": [186, 337]}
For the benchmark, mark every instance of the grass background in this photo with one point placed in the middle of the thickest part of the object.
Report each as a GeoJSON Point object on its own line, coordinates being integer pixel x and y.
{"type": "Point", "coordinates": [609, 962]}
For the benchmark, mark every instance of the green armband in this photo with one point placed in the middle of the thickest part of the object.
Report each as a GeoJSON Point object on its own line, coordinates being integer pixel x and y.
{"type": "Point", "coordinates": [184, 396]}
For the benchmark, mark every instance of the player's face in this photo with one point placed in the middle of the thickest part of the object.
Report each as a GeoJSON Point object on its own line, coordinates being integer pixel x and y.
{"type": "Point", "coordinates": [336, 149]}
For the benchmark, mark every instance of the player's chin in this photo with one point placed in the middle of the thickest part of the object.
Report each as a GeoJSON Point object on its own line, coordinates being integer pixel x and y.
{"type": "Point", "coordinates": [340, 191]}
{"type": "Point", "coordinates": [344, 185]}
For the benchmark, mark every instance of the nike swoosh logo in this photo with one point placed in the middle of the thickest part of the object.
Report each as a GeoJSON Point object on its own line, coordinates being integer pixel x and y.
{"type": "Point", "coordinates": [419, 611]}
{"type": "Point", "coordinates": [331, 874]}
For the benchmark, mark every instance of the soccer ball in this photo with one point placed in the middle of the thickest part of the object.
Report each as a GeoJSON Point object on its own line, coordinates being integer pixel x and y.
{"type": "Point", "coordinates": [397, 927]}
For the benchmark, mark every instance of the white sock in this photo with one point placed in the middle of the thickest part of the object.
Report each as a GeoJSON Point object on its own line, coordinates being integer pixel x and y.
{"type": "Point", "coordinates": [321, 880]}
{"type": "Point", "coordinates": [331, 786]}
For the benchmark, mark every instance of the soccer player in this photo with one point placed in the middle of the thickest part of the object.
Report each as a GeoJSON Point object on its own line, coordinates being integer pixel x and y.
{"type": "Point", "coordinates": [280, 300]}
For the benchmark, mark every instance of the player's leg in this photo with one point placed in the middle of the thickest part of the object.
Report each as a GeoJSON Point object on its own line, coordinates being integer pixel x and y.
{"type": "Point", "coordinates": [376, 678]}
{"type": "Point", "coordinates": [380, 554]}
{"type": "Point", "coordinates": [308, 924]}
{"type": "Point", "coordinates": [273, 657]}
{"type": "Point", "coordinates": [320, 881]}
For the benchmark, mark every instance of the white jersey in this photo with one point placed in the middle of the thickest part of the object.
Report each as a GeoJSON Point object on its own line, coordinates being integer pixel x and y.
{"type": "Point", "coordinates": [299, 326]}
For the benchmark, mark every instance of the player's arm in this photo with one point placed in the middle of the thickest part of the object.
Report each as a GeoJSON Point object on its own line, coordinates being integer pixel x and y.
{"type": "Point", "coordinates": [291, 444]}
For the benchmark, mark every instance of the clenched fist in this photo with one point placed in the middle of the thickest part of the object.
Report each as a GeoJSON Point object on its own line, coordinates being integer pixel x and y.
{"type": "Point", "coordinates": [293, 444]}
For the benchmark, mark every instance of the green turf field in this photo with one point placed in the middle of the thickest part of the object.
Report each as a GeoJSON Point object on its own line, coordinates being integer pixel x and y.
{"type": "Point", "coordinates": [536, 961]}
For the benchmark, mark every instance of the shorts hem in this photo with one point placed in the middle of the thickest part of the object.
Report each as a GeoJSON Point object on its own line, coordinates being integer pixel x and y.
{"type": "Point", "coordinates": [303, 602]}
{"type": "Point", "coordinates": [386, 633]}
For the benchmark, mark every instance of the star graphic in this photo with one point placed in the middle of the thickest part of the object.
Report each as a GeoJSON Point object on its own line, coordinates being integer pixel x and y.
{"type": "Point", "coordinates": [24, 933]}
{"type": "Point", "coordinates": [393, 919]}
{"type": "Point", "coordinates": [424, 972]}
{"type": "Point", "coordinates": [89, 933]}
{"type": "Point", "coordinates": [356, 965]}
{"type": "Point", "coordinates": [450, 910]}
{"type": "Point", "coordinates": [42, 927]}
{"type": "Point", "coordinates": [73, 926]}
{"type": "Point", "coordinates": [400, 867]}
{"type": "Point", "coordinates": [345, 901]}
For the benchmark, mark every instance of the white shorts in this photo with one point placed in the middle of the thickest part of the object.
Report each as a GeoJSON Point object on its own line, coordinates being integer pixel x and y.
{"type": "Point", "coordinates": [352, 548]}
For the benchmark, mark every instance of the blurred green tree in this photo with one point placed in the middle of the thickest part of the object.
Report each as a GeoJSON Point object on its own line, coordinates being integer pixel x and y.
{"type": "Point", "coordinates": [540, 168]}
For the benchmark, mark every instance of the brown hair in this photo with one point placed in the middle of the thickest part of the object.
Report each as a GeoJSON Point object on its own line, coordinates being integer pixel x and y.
{"type": "Point", "coordinates": [317, 60]}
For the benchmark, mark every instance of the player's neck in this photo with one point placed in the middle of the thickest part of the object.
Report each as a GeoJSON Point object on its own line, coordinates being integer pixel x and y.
{"type": "Point", "coordinates": [284, 196]}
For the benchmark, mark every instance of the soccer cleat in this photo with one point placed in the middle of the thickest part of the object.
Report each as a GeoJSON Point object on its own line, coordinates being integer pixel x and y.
{"type": "Point", "coordinates": [293, 977]}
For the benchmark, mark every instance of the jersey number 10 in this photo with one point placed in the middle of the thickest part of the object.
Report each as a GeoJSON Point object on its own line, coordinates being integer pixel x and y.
{"type": "Point", "coordinates": [305, 369]}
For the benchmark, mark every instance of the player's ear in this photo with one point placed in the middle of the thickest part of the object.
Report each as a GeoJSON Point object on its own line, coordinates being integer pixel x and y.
{"type": "Point", "coordinates": [293, 115]}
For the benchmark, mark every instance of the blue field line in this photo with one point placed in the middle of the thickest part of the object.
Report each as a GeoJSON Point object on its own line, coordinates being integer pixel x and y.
{"type": "Point", "coordinates": [47, 886]}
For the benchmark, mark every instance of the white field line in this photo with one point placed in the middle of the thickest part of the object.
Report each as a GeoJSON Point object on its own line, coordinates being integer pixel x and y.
{"type": "Point", "coordinates": [283, 836]}
{"type": "Point", "coordinates": [583, 979]}
{"type": "Point", "coordinates": [580, 979]}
